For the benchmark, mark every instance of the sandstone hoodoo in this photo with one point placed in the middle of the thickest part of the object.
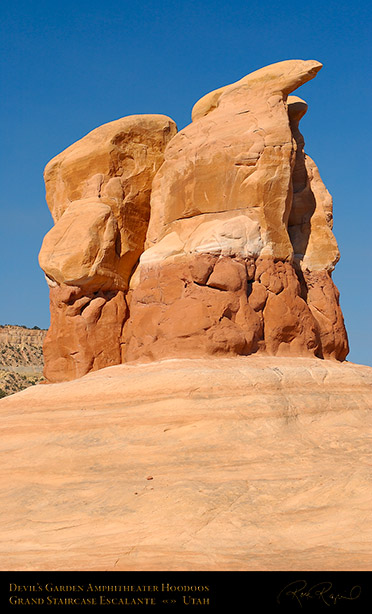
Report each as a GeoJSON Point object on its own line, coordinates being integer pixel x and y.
{"type": "Point", "coordinates": [213, 240]}
{"type": "Point", "coordinates": [98, 191]}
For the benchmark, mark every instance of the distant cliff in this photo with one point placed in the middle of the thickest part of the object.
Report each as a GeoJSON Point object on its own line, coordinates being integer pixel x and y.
{"type": "Point", "coordinates": [21, 358]}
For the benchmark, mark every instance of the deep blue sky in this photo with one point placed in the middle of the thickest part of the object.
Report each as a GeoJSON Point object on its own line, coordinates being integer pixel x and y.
{"type": "Point", "coordinates": [69, 66]}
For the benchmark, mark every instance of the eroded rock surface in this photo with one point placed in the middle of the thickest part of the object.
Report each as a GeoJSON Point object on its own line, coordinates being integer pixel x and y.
{"type": "Point", "coordinates": [236, 241]}
{"type": "Point", "coordinates": [85, 331]}
{"type": "Point", "coordinates": [98, 191]}
{"type": "Point", "coordinates": [238, 196]}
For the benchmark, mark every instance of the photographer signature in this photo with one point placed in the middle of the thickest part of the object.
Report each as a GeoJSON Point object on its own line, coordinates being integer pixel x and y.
{"type": "Point", "coordinates": [324, 591]}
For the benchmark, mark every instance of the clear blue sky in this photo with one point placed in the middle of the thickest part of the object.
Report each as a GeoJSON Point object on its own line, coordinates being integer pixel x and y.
{"type": "Point", "coordinates": [69, 66]}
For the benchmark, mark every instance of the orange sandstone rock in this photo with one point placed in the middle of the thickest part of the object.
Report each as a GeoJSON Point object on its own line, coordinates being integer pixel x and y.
{"type": "Point", "coordinates": [237, 155]}
{"type": "Point", "coordinates": [98, 191]}
{"type": "Point", "coordinates": [84, 333]}
{"type": "Point", "coordinates": [237, 186]}
{"type": "Point", "coordinates": [239, 248]}
{"type": "Point", "coordinates": [102, 184]}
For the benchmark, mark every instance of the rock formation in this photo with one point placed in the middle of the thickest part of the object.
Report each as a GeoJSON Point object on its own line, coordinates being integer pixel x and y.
{"type": "Point", "coordinates": [98, 191]}
{"type": "Point", "coordinates": [204, 246]}
{"type": "Point", "coordinates": [239, 247]}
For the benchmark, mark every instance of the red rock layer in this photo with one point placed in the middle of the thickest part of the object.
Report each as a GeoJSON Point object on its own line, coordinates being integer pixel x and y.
{"type": "Point", "coordinates": [225, 305]}
{"type": "Point", "coordinates": [85, 332]}
{"type": "Point", "coordinates": [323, 300]}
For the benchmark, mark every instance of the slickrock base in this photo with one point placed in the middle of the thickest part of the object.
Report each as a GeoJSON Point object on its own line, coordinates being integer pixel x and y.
{"type": "Point", "coordinates": [255, 463]}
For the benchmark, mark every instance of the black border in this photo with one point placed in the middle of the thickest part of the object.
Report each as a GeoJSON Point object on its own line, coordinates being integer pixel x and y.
{"type": "Point", "coordinates": [209, 591]}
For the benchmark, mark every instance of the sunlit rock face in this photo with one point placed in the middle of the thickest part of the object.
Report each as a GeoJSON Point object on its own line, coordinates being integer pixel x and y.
{"type": "Point", "coordinates": [214, 240]}
{"type": "Point", "coordinates": [98, 191]}
{"type": "Point", "coordinates": [240, 241]}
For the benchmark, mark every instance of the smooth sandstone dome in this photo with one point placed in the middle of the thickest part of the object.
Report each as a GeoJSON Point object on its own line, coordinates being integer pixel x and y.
{"type": "Point", "coordinates": [256, 464]}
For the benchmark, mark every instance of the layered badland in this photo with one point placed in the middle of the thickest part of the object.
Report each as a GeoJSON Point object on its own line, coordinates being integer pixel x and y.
{"type": "Point", "coordinates": [21, 358]}
{"type": "Point", "coordinates": [214, 423]}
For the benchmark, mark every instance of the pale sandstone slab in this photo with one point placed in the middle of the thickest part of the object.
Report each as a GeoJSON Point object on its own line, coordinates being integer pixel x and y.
{"type": "Point", "coordinates": [256, 463]}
